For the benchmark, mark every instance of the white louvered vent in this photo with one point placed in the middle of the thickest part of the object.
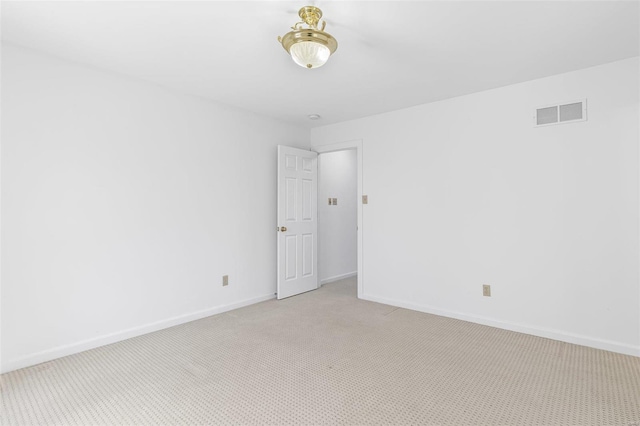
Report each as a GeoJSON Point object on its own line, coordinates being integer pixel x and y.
{"type": "Point", "coordinates": [569, 112]}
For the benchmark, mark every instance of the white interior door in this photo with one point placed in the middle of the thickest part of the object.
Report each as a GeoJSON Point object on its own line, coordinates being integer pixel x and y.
{"type": "Point", "coordinates": [297, 221]}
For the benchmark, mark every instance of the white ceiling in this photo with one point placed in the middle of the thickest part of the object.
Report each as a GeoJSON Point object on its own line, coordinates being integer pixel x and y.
{"type": "Point", "coordinates": [391, 54]}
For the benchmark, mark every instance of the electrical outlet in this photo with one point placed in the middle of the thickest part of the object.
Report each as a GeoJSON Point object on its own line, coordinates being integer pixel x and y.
{"type": "Point", "coordinates": [486, 290]}
{"type": "Point", "coordinates": [225, 280]}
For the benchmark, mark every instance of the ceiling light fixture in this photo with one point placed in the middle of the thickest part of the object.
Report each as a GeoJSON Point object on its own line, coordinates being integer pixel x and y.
{"type": "Point", "coordinates": [314, 116]}
{"type": "Point", "coordinates": [309, 47]}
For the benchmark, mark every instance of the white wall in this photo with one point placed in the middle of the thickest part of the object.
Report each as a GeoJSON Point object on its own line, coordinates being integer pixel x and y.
{"type": "Point", "coordinates": [337, 227]}
{"type": "Point", "coordinates": [123, 204]}
{"type": "Point", "coordinates": [466, 192]}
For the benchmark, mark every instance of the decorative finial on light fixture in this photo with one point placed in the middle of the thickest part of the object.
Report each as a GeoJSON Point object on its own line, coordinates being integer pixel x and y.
{"type": "Point", "coordinates": [309, 47]}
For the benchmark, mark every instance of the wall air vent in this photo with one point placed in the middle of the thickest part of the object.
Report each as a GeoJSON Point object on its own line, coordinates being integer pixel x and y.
{"type": "Point", "coordinates": [568, 112]}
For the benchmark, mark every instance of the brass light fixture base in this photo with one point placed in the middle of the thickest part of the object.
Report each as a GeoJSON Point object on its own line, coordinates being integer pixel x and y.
{"type": "Point", "coordinates": [310, 15]}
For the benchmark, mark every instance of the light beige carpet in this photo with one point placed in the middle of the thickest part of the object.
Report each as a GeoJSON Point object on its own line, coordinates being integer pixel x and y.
{"type": "Point", "coordinates": [325, 357]}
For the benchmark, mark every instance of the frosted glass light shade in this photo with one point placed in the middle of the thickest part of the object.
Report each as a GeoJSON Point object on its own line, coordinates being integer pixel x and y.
{"type": "Point", "coordinates": [309, 54]}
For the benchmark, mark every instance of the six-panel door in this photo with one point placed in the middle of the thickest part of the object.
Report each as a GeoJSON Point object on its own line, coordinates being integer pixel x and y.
{"type": "Point", "coordinates": [297, 221]}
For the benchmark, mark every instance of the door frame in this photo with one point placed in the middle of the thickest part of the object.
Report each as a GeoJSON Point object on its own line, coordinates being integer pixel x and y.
{"type": "Point", "coordinates": [343, 146]}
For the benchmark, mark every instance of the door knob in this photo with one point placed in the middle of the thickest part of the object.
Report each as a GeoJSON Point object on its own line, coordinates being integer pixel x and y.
{"type": "Point", "coordinates": [283, 229]}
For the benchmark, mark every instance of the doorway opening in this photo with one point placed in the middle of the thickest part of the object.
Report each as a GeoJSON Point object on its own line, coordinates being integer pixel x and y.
{"type": "Point", "coordinates": [340, 214]}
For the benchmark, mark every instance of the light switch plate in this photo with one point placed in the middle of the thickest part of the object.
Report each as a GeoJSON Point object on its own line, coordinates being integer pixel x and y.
{"type": "Point", "coordinates": [225, 280]}
{"type": "Point", "coordinates": [486, 290]}
{"type": "Point", "coordinates": [365, 199]}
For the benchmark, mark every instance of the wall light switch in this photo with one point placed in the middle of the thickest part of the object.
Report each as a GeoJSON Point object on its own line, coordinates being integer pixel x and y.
{"type": "Point", "coordinates": [335, 201]}
{"type": "Point", "coordinates": [330, 201]}
{"type": "Point", "coordinates": [486, 290]}
{"type": "Point", "coordinates": [365, 199]}
{"type": "Point", "coordinates": [225, 280]}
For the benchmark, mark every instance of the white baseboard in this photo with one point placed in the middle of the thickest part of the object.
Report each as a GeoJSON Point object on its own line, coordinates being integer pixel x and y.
{"type": "Point", "coordinates": [74, 348]}
{"type": "Point", "coordinates": [338, 278]}
{"type": "Point", "coordinates": [562, 336]}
